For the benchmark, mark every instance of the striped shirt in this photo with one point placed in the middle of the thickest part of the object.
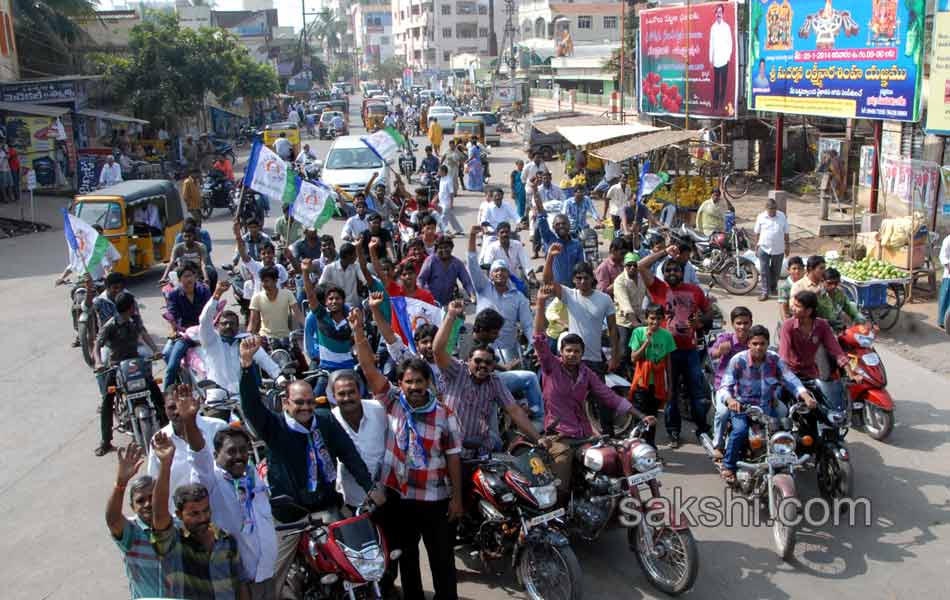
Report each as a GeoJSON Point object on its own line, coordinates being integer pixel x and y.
{"type": "Point", "coordinates": [474, 402]}
{"type": "Point", "coordinates": [195, 573]}
{"type": "Point", "coordinates": [328, 340]}
{"type": "Point", "coordinates": [759, 384]}
{"type": "Point", "coordinates": [142, 565]}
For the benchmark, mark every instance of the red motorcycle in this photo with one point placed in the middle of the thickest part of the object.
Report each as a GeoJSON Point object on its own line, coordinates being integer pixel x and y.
{"type": "Point", "coordinates": [345, 559]}
{"type": "Point", "coordinates": [606, 490]}
{"type": "Point", "coordinates": [872, 406]}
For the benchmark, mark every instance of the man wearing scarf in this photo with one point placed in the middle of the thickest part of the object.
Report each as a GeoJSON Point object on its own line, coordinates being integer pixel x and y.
{"type": "Point", "coordinates": [302, 452]}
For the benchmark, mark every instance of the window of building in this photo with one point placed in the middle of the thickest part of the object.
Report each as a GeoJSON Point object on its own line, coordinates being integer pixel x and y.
{"type": "Point", "coordinates": [482, 9]}
{"type": "Point", "coordinates": [466, 8]}
{"type": "Point", "coordinates": [483, 32]}
{"type": "Point", "coordinates": [447, 55]}
{"type": "Point", "coordinates": [417, 54]}
{"type": "Point", "coordinates": [610, 22]}
{"type": "Point", "coordinates": [415, 10]}
{"type": "Point", "coordinates": [584, 22]}
{"type": "Point", "coordinates": [466, 31]}
{"type": "Point", "coordinates": [446, 32]}
{"type": "Point", "coordinates": [446, 9]}
{"type": "Point", "coordinates": [384, 40]}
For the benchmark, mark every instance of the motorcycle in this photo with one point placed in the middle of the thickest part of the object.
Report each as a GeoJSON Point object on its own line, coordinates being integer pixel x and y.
{"type": "Point", "coordinates": [407, 160]}
{"type": "Point", "coordinates": [134, 412]}
{"type": "Point", "coordinates": [85, 321]}
{"type": "Point", "coordinates": [217, 192]}
{"type": "Point", "coordinates": [769, 472]}
{"type": "Point", "coordinates": [820, 433]}
{"type": "Point", "coordinates": [726, 257]}
{"type": "Point", "coordinates": [622, 423]}
{"type": "Point", "coordinates": [286, 352]}
{"type": "Point", "coordinates": [511, 511]}
{"type": "Point", "coordinates": [345, 559]}
{"type": "Point", "coordinates": [608, 473]}
{"type": "Point", "coordinates": [872, 407]}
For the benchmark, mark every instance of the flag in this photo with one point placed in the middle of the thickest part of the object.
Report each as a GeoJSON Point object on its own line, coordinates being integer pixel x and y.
{"type": "Point", "coordinates": [410, 313]}
{"type": "Point", "coordinates": [268, 174]}
{"type": "Point", "coordinates": [86, 247]}
{"type": "Point", "coordinates": [313, 204]}
{"type": "Point", "coordinates": [643, 172]}
{"type": "Point", "coordinates": [384, 143]}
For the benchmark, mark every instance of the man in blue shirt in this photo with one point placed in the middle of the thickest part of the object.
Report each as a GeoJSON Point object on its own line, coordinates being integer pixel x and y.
{"type": "Point", "coordinates": [572, 250]}
{"type": "Point", "coordinates": [430, 164]}
{"type": "Point", "coordinates": [577, 210]}
{"type": "Point", "coordinates": [184, 306]}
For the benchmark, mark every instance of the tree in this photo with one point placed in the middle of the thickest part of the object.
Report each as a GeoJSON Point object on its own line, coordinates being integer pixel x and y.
{"type": "Point", "coordinates": [341, 71]}
{"type": "Point", "coordinates": [328, 31]}
{"type": "Point", "coordinates": [318, 70]}
{"type": "Point", "coordinates": [390, 69]}
{"type": "Point", "coordinates": [169, 70]}
{"type": "Point", "coordinates": [44, 30]}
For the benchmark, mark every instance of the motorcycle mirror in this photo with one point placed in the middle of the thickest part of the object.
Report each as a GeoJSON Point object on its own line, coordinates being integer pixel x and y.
{"type": "Point", "coordinates": [206, 384]}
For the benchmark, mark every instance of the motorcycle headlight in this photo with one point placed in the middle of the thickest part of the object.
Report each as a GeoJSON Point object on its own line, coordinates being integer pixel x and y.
{"type": "Point", "coordinates": [783, 443]}
{"type": "Point", "coordinates": [370, 563]}
{"type": "Point", "coordinates": [865, 341]}
{"type": "Point", "coordinates": [546, 495]}
{"type": "Point", "coordinates": [644, 457]}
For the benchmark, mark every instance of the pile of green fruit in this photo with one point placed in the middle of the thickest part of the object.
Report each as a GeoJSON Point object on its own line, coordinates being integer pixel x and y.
{"type": "Point", "coordinates": [867, 269]}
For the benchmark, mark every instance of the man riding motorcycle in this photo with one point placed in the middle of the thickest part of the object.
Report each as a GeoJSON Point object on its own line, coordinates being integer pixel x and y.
{"type": "Point", "coordinates": [755, 377]}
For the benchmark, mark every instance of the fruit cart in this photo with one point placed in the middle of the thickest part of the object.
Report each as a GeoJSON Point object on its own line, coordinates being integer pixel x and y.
{"type": "Point", "coordinates": [876, 287]}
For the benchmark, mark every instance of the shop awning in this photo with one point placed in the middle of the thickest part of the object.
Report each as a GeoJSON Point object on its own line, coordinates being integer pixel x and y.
{"type": "Point", "coordinates": [551, 125]}
{"type": "Point", "coordinates": [108, 116]}
{"type": "Point", "coordinates": [593, 134]}
{"type": "Point", "coordinates": [643, 144]}
{"type": "Point", "coordinates": [40, 110]}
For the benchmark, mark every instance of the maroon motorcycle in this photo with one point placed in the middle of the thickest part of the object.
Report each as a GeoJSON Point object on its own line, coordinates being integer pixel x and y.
{"type": "Point", "coordinates": [345, 559]}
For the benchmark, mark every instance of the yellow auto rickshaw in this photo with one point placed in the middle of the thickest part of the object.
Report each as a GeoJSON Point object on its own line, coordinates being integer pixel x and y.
{"type": "Point", "coordinates": [290, 130]}
{"type": "Point", "coordinates": [466, 127]}
{"type": "Point", "coordinates": [375, 114]}
{"type": "Point", "coordinates": [140, 218]}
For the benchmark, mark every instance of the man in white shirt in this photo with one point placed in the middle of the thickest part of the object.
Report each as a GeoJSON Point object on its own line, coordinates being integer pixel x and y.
{"type": "Point", "coordinates": [221, 347]}
{"type": "Point", "coordinates": [111, 173]}
{"type": "Point", "coordinates": [181, 470]}
{"type": "Point", "coordinates": [534, 166]}
{"type": "Point", "coordinates": [494, 211]}
{"type": "Point", "coordinates": [358, 223]}
{"type": "Point", "coordinates": [344, 273]}
{"type": "Point", "coordinates": [252, 268]}
{"type": "Point", "coordinates": [306, 155]}
{"type": "Point", "coordinates": [147, 214]}
{"type": "Point", "coordinates": [512, 251]}
{"type": "Point", "coordinates": [447, 200]}
{"type": "Point", "coordinates": [293, 116]}
{"type": "Point", "coordinates": [366, 423]}
{"type": "Point", "coordinates": [618, 198]}
{"type": "Point", "coordinates": [771, 246]}
{"type": "Point", "coordinates": [720, 54]}
{"type": "Point", "coordinates": [283, 147]}
{"type": "Point", "coordinates": [238, 497]}
{"type": "Point", "coordinates": [943, 300]}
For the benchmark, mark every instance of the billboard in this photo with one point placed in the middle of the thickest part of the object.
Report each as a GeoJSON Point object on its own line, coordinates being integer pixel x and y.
{"type": "Point", "coordinates": [711, 58]}
{"type": "Point", "coordinates": [836, 58]}
{"type": "Point", "coordinates": [938, 105]}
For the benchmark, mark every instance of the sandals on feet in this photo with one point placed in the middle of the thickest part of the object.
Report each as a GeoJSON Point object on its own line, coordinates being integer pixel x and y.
{"type": "Point", "coordinates": [728, 476]}
{"type": "Point", "coordinates": [104, 449]}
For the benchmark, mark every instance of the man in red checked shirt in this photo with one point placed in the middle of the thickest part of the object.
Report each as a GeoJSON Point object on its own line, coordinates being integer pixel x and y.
{"type": "Point", "coordinates": [687, 307]}
{"type": "Point", "coordinates": [14, 159]}
{"type": "Point", "coordinates": [422, 468]}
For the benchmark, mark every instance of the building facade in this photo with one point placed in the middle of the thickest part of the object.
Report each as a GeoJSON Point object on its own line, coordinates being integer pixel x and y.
{"type": "Point", "coordinates": [584, 22]}
{"type": "Point", "coordinates": [372, 25]}
{"type": "Point", "coordinates": [427, 33]}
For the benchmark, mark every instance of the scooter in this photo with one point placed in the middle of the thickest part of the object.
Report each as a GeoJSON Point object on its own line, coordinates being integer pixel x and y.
{"type": "Point", "coordinates": [768, 472]}
{"type": "Point", "coordinates": [872, 407]}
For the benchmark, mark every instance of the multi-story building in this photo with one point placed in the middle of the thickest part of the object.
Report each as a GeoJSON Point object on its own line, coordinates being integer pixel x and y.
{"type": "Point", "coordinates": [254, 29]}
{"type": "Point", "coordinates": [427, 33]}
{"type": "Point", "coordinates": [372, 25]}
{"type": "Point", "coordinates": [585, 22]}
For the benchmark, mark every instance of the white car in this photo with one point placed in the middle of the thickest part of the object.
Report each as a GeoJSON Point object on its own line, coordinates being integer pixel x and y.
{"type": "Point", "coordinates": [492, 137]}
{"type": "Point", "coordinates": [350, 164]}
{"type": "Point", "coordinates": [445, 115]}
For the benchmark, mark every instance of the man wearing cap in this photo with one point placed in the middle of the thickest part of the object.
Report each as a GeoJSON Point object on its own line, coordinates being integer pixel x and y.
{"type": "Point", "coordinates": [628, 294]}
{"type": "Point", "coordinates": [496, 291]}
{"type": "Point", "coordinates": [771, 246]}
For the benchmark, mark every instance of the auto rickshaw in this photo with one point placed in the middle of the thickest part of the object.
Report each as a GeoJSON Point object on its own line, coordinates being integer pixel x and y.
{"type": "Point", "coordinates": [341, 105]}
{"type": "Point", "coordinates": [272, 131]}
{"type": "Point", "coordinates": [466, 127]}
{"type": "Point", "coordinates": [122, 211]}
{"type": "Point", "coordinates": [374, 116]}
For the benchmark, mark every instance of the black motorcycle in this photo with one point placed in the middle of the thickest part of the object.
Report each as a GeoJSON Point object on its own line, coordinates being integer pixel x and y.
{"type": "Point", "coordinates": [217, 191]}
{"type": "Point", "coordinates": [407, 160]}
{"type": "Point", "coordinates": [134, 412]}
{"type": "Point", "coordinates": [821, 434]}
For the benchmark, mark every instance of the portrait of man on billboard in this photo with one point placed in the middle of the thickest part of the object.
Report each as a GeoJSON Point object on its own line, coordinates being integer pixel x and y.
{"type": "Point", "coordinates": [720, 55]}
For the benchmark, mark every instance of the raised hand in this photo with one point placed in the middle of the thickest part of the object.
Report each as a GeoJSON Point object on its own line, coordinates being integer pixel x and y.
{"type": "Point", "coordinates": [555, 249]}
{"type": "Point", "coordinates": [545, 293]}
{"type": "Point", "coordinates": [355, 319]}
{"type": "Point", "coordinates": [376, 299]}
{"type": "Point", "coordinates": [187, 403]}
{"type": "Point", "coordinates": [130, 461]}
{"type": "Point", "coordinates": [223, 286]}
{"type": "Point", "coordinates": [249, 346]}
{"type": "Point", "coordinates": [305, 265]}
{"type": "Point", "coordinates": [163, 447]}
{"type": "Point", "coordinates": [456, 309]}
{"type": "Point", "coordinates": [236, 228]}
{"type": "Point", "coordinates": [672, 251]}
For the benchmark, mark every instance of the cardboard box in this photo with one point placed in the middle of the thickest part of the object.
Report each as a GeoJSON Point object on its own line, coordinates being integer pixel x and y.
{"type": "Point", "coordinates": [900, 257]}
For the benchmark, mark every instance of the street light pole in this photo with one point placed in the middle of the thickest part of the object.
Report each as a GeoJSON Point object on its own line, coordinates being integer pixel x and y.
{"type": "Point", "coordinates": [623, 53]}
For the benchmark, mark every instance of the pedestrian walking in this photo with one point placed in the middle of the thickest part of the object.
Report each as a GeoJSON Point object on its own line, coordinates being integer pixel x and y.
{"type": "Point", "coordinates": [771, 246]}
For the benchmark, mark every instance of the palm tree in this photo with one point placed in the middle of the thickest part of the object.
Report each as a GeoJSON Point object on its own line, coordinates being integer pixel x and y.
{"type": "Point", "coordinates": [328, 31]}
{"type": "Point", "coordinates": [47, 29]}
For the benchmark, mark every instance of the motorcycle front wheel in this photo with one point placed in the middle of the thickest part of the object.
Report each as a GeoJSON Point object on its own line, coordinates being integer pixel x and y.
{"type": "Point", "coordinates": [670, 559]}
{"type": "Point", "coordinates": [738, 279]}
{"type": "Point", "coordinates": [147, 427]}
{"type": "Point", "coordinates": [87, 341]}
{"type": "Point", "coordinates": [878, 422]}
{"type": "Point", "coordinates": [835, 477]}
{"type": "Point", "coordinates": [784, 523]}
{"type": "Point", "coordinates": [206, 209]}
{"type": "Point", "coordinates": [549, 572]}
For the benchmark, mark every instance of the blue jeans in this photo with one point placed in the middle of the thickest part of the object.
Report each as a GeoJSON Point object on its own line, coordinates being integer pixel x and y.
{"type": "Point", "coordinates": [943, 301]}
{"type": "Point", "coordinates": [739, 435]}
{"type": "Point", "coordinates": [173, 356]}
{"type": "Point", "coordinates": [719, 421]}
{"type": "Point", "coordinates": [685, 364]}
{"type": "Point", "coordinates": [526, 382]}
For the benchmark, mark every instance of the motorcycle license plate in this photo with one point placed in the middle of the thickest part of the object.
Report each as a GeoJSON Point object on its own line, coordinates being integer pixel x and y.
{"type": "Point", "coordinates": [858, 404]}
{"type": "Point", "coordinates": [781, 460]}
{"type": "Point", "coordinates": [644, 477]}
{"type": "Point", "coordinates": [871, 359]}
{"type": "Point", "coordinates": [542, 519]}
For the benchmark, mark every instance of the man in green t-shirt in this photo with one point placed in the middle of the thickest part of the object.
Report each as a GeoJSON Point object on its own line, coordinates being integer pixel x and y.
{"type": "Point", "coordinates": [650, 347]}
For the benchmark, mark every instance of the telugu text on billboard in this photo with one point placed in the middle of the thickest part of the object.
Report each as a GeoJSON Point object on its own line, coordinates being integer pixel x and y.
{"type": "Point", "coordinates": [938, 105]}
{"type": "Point", "coordinates": [711, 57]}
{"type": "Point", "coordinates": [836, 58]}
